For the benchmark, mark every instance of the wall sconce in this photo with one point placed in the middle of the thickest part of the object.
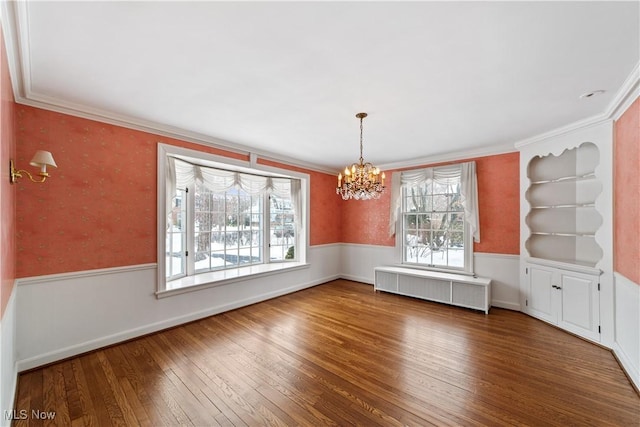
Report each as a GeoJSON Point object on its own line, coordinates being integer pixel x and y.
{"type": "Point", "coordinates": [41, 159]}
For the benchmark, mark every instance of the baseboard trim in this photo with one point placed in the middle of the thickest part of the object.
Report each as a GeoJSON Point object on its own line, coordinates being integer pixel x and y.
{"type": "Point", "coordinates": [356, 278]}
{"type": "Point", "coordinates": [627, 366]}
{"type": "Point", "coordinates": [95, 344]}
{"type": "Point", "coordinates": [506, 305]}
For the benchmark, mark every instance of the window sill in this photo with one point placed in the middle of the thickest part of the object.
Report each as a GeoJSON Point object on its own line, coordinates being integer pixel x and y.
{"type": "Point", "coordinates": [225, 277]}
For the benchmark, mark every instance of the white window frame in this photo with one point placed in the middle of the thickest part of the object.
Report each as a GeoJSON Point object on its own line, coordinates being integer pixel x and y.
{"type": "Point", "coordinates": [191, 282]}
{"type": "Point", "coordinates": [468, 267]}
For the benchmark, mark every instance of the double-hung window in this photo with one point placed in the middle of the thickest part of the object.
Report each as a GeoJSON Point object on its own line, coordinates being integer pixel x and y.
{"type": "Point", "coordinates": [438, 217]}
{"type": "Point", "coordinates": [224, 221]}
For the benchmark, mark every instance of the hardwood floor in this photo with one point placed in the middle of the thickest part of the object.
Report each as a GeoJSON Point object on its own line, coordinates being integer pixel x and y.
{"type": "Point", "coordinates": [339, 354]}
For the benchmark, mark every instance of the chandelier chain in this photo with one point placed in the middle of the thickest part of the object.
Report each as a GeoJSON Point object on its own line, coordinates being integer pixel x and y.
{"type": "Point", "coordinates": [361, 158]}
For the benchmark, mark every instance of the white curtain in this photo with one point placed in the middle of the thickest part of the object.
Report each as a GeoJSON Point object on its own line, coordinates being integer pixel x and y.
{"type": "Point", "coordinates": [396, 199]}
{"type": "Point", "coordinates": [296, 203]}
{"type": "Point", "coordinates": [443, 174]}
{"type": "Point", "coordinates": [218, 180]}
{"type": "Point", "coordinates": [181, 174]}
{"type": "Point", "coordinates": [469, 193]}
{"type": "Point", "coordinates": [170, 176]}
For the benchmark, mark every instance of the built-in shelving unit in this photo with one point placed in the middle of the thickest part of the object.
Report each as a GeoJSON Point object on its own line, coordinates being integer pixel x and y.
{"type": "Point", "coordinates": [565, 229]}
{"type": "Point", "coordinates": [563, 218]}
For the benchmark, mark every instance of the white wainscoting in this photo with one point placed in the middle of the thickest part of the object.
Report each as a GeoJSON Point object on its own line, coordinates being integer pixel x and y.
{"type": "Point", "coordinates": [63, 315]}
{"type": "Point", "coordinates": [359, 262]}
{"type": "Point", "coordinates": [504, 272]}
{"type": "Point", "coordinates": [8, 368]}
{"type": "Point", "coordinates": [627, 326]}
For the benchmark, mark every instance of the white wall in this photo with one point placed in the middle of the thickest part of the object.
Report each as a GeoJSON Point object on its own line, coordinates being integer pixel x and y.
{"type": "Point", "coordinates": [8, 369]}
{"type": "Point", "coordinates": [627, 326]}
{"type": "Point", "coordinates": [359, 262]}
{"type": "Point", "coordinates": [66, 314]}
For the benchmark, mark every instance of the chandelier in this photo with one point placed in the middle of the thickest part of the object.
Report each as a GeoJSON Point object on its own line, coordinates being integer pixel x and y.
{"type": "Point", "coordinates": [361, 181]}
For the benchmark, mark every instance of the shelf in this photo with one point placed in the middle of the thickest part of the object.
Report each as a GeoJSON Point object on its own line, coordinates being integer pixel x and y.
{"type": "Point", "coordinates": [590, 175]}
{"type": "Point", "coordinates": [577, 205]}
{"type": "Point", "coordinates": [543, 233]}
{"type": "Point", "coordinates": [583, 250]}
{"type": "Point", "coordinates": [579, 267]}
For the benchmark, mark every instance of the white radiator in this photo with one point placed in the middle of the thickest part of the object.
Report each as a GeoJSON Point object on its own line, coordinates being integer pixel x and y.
{"type": "Point", "coordinates": [455, 289]}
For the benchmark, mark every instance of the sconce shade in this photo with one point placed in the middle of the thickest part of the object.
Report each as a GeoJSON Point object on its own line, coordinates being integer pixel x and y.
{"type": "Point", "coordinates": [42, 159]}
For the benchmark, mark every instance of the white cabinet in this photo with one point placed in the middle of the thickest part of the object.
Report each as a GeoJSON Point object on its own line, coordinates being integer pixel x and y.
{"type": "Point", "coordinates": [454, 289]}
{"type": "Point", "coordinates": [568, 299]}
{"type": "Point", "coordinates": [566, 232]}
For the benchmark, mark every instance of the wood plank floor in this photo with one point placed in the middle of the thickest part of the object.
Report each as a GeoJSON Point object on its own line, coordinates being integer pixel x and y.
{"type": "Point", "coordinates": [339, 354]}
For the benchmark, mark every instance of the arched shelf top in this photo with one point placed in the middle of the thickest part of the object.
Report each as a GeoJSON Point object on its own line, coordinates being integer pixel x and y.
{"type": "Point", "coordinates": [577, 163]}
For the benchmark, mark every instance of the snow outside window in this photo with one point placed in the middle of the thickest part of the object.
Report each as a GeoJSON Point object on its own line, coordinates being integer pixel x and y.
{"type": "Point", "coordinates": [220, 224]}
{"type": "Point", "coordinates": [438, 218]}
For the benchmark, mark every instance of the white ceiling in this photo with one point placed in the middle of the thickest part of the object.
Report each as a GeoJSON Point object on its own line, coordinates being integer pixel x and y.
{"type": "Point", "coordinates": [287, 78]}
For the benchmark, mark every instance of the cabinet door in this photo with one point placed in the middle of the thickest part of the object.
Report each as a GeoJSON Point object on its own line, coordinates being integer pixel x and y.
{"type": "Point", "coordinates": [540, 300]}
{"type": "Point", "coordinates": [580, 305]}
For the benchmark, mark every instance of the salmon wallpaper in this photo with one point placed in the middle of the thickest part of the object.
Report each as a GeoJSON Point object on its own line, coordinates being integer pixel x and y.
{"type": "Point", "coordinates": [7, 191]}
{"type": "Point", "coordinates": [367, 221]}
{"type": "Point", "coordinates": [626, 187]}
{"type": "Point", "coordinates": [98, 209]}
{"type": "Point", "coordinates": [498, 196]}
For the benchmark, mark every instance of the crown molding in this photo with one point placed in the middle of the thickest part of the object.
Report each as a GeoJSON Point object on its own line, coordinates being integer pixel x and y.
{"type": "Point", "coordinates": [161, 130]}
{"type": "Point", "coordinates": [624, 97]}
{"type": "Point", "coordinates": [492, 150]}
{"type": "Point", "coordinates": [571, 127]}
{"type": "Point", "coordinates": [12, 46]}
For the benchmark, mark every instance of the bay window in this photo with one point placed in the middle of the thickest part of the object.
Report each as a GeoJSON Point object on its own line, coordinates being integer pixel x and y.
{"type": "Point", "coordinates": [226, 220]}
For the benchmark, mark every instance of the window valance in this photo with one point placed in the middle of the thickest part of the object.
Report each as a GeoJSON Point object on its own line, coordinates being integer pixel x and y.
{"type": "Point", "coordinates": [466, 172]}
{"type": "Point", "coordinates": [219, 180]}
{"type": "Point", "coordinates": [181, 174]}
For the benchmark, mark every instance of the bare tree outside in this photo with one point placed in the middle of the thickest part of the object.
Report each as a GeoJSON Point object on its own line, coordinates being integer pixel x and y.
{"type": "Point", "coordinates": [433, 221]}
{"type": "Point", "coordinates": [227, 228]}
